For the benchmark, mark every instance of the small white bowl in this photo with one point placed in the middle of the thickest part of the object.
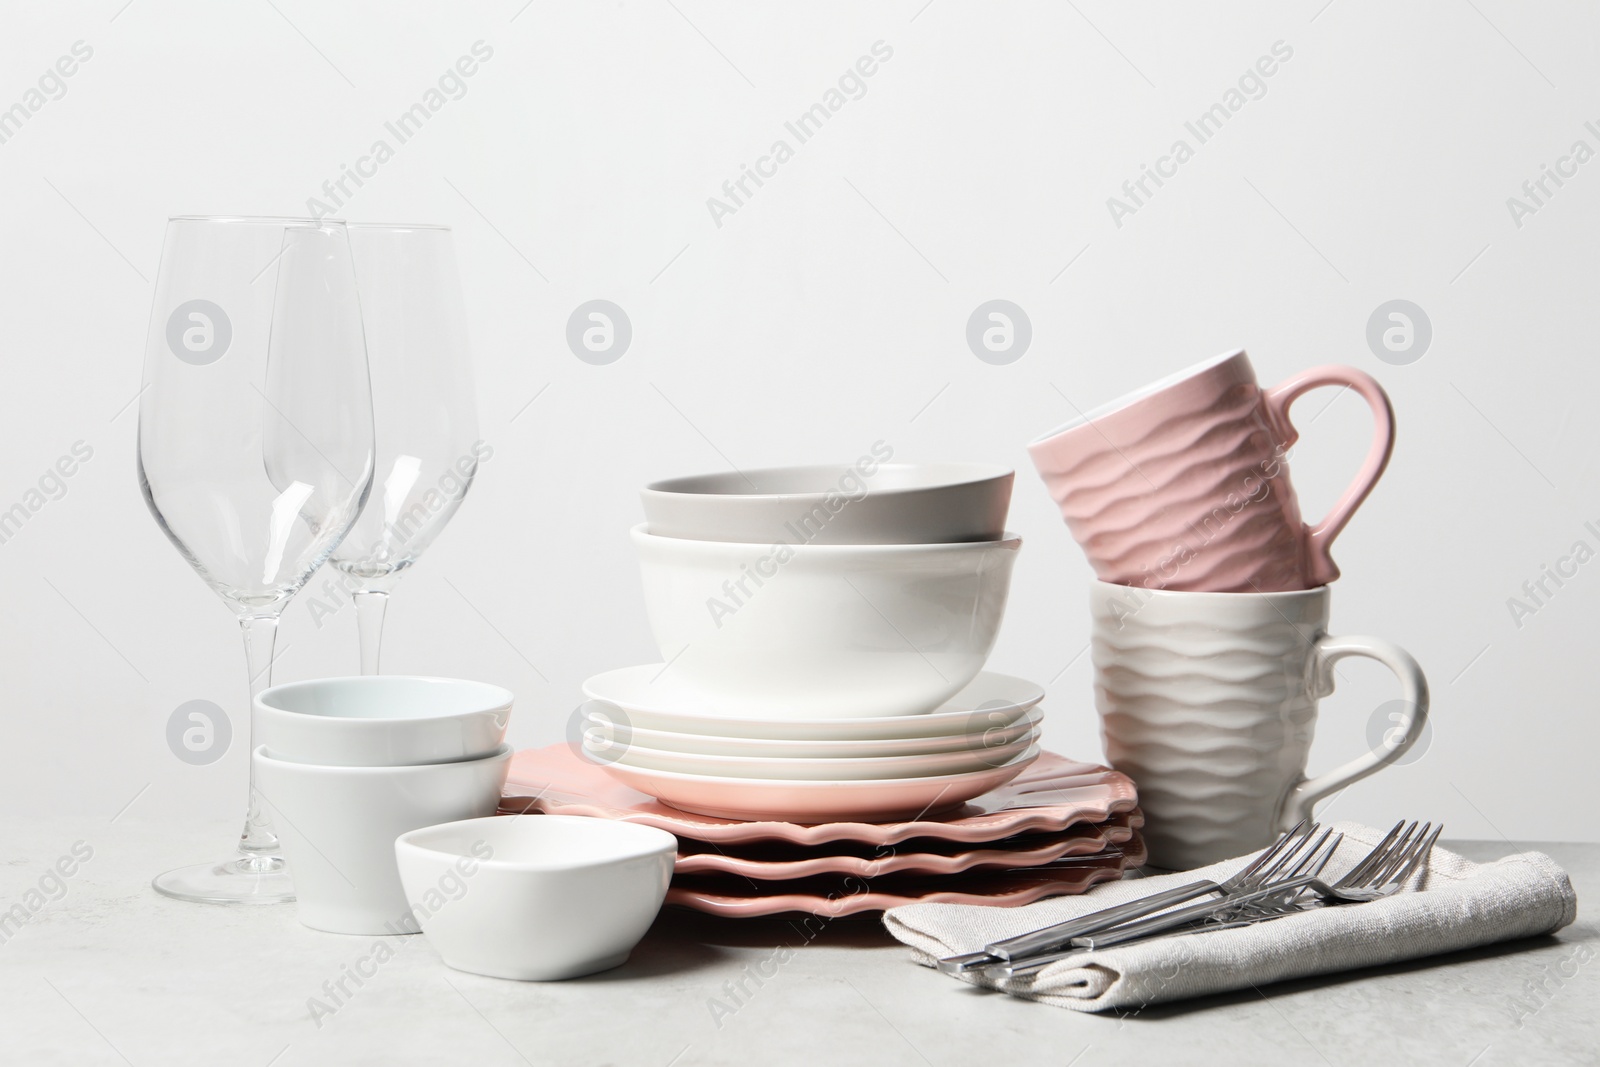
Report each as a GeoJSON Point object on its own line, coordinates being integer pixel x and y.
{"type": "Point", "coordinates": [538, 897]}
{"type": "Point", "coordinates": [382, 720]}
{"type": "Point", "coordinates": [338, 825]}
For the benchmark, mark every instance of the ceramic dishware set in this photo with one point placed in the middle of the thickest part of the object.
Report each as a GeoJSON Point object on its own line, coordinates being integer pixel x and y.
{"type": "Point", "coordinates": [828, 664]}
{"type": "Point", "coordinates": [1209, 626]}
{"type": "Point", "coordinates": [346, 765]}
{"type": "Point", "coordinates": [383, 791]}
{"type": "Point", "coordinates": [821, 735]}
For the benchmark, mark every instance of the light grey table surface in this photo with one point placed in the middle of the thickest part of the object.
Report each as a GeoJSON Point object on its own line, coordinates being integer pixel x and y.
{"type": "Point", "coordinates": [112, 973]}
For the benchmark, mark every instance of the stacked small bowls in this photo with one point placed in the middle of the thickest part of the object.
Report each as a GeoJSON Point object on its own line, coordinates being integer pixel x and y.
{"type": "Point", "coordinates": [347, 765]}
{"type": "Point", "coordinates": [823, 633]}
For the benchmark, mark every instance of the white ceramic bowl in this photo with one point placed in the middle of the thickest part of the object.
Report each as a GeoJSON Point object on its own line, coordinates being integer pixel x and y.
{"type": "Point", "coordinates": [382, 720]}
{"type": "Point", "coordinates": [338, 825]}
{"type": "Point", "coordinates": [976, 757]}
{"type": "Point", "coordinates": [870, 503]}
{"type": "Point", "coordinates": [537, 897]}
{"type": "Point", "coordinates": [824, 631]}
{"type": "Point", "coordinates": [649, 696]}
{"type": "Point", "coordinates": [982, 731]}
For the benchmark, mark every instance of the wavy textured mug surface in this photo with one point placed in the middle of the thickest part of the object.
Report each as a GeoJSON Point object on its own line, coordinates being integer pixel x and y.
{"type": "Point", "coordinates": [1184, 485]}
{"type": "Point", "coordinates": [1208, 701]}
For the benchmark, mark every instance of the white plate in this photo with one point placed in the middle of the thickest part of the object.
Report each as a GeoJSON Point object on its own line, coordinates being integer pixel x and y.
{"type": "Point", "coordinates": [1051, 795]}
{"type": "Point", "coordinates": [817, 802]}
{"type": "Point", "coordinates": [855, 769]}
{"type": "Point", "coordinates": [709, 745]}
{"type": "Point", "coordinates": [647, 697]}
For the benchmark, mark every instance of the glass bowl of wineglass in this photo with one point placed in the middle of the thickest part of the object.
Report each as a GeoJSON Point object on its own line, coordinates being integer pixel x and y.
{"type": "Point", "coordinates": [255, 449]}
{"type": "Point", "coordinates": [424, 407]}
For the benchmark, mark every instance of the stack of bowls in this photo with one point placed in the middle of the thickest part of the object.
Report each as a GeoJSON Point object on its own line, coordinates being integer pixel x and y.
{"type": "Point", "coordinates": [823, 632]}
{"type": "Point", "coordinates": [347, 765]}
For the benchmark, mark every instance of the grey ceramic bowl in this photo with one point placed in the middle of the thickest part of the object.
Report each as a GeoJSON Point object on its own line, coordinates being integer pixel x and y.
{"type": "Point", "coordinates": [885, 504]}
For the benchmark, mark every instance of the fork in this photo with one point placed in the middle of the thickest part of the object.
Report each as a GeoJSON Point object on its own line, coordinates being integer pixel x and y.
{"type": "Point", "coordinates": [1262, 904]}
{"type": "Point", "coordinates": [1382, 873]}
{"type": "Point", "coordinates": [1263, 867]}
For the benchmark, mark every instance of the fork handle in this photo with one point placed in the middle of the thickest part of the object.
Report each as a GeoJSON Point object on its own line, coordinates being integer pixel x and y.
{"type": "Point", "coordinates": [1061, 933]}
{"type": "Point", "coordinates": [1171, 920]}
{"type": "Point", "coordinates": [1028, 966]}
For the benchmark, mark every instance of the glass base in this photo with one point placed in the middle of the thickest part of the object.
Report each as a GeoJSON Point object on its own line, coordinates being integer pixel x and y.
{"type": "Point", "coordinates": [244, 879]}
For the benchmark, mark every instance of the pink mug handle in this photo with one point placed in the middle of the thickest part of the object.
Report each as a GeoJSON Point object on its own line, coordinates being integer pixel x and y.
{"type": "Point", "coordinates": [1319, 538]}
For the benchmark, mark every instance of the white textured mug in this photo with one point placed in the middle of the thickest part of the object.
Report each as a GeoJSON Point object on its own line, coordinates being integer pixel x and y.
{"type": "Point", "coordinates": [1208, 701]}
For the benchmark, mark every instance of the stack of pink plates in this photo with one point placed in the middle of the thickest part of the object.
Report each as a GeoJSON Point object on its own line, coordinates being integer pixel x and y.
{"type": "Point", "coordinates": [1048, 828]}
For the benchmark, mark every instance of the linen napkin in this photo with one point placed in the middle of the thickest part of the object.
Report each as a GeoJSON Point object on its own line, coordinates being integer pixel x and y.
{"type": "Point", "coordinates": [1450, 904]}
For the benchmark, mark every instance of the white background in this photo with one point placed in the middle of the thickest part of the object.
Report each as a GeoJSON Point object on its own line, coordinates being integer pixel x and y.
{"type": "Point", "coordinates": [827, 313]}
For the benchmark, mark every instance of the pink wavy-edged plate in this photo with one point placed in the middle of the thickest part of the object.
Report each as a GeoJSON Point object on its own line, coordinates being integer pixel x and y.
{"type": "Point", "coordinates": [1033, 850]}
{"type": "Point", "coordinates": [1051, 795]}
{"type": "Point", "coordinates": [850, 895]}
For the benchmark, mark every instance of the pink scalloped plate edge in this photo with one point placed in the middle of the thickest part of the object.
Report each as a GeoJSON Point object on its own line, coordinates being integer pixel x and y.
{"type": "Point", "coordinates": [1051, 795]}
{"type": "Point", "coordinates": [1085, 839]}
{"type": "Point", "coordinates": [1006, 890]}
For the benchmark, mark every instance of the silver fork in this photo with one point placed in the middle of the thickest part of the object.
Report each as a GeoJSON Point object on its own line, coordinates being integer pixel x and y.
{"type": "Point", "coordinates": [1382, 873]}
{"type": "Point", "coordinates": [1263, 903]}
{"type": "Point", "coordinates": [1263, 867]}
{"type": "Point", "coordinates": [1388, 878]}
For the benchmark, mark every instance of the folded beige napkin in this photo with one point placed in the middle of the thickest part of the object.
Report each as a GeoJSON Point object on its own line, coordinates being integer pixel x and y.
{"type": "Point", "coordinates": [1452, 904]}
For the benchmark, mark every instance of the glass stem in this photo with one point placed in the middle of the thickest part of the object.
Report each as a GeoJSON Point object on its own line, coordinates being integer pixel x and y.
{"type": "Point", "coordinates": [257, 843]}
{"type": "Point", "coordinates": [370, 606]}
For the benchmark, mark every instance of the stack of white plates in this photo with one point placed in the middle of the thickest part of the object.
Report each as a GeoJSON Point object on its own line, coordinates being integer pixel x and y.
{"type": "Point", "coordinates": [661, 741]}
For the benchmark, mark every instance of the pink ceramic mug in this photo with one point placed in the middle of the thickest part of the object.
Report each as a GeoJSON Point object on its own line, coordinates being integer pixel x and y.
{"type": "Point", "coordinates": [1184, 484]}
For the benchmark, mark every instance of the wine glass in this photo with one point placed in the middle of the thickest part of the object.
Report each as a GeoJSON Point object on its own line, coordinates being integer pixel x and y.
{"type": "Point", "coordinates": [425, 411]}
{"type": "Point", "coordinates": [255, 446]}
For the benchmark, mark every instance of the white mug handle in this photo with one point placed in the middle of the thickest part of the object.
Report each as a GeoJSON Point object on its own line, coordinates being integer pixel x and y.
{"type": "Point", "coordinates": [1298, 803]}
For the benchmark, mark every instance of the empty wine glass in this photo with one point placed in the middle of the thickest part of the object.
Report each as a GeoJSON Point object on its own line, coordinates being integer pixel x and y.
{"type": "Point", "coordinates": [424, 410]}
{"type": "Point", "coordinates": [255, 446]}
